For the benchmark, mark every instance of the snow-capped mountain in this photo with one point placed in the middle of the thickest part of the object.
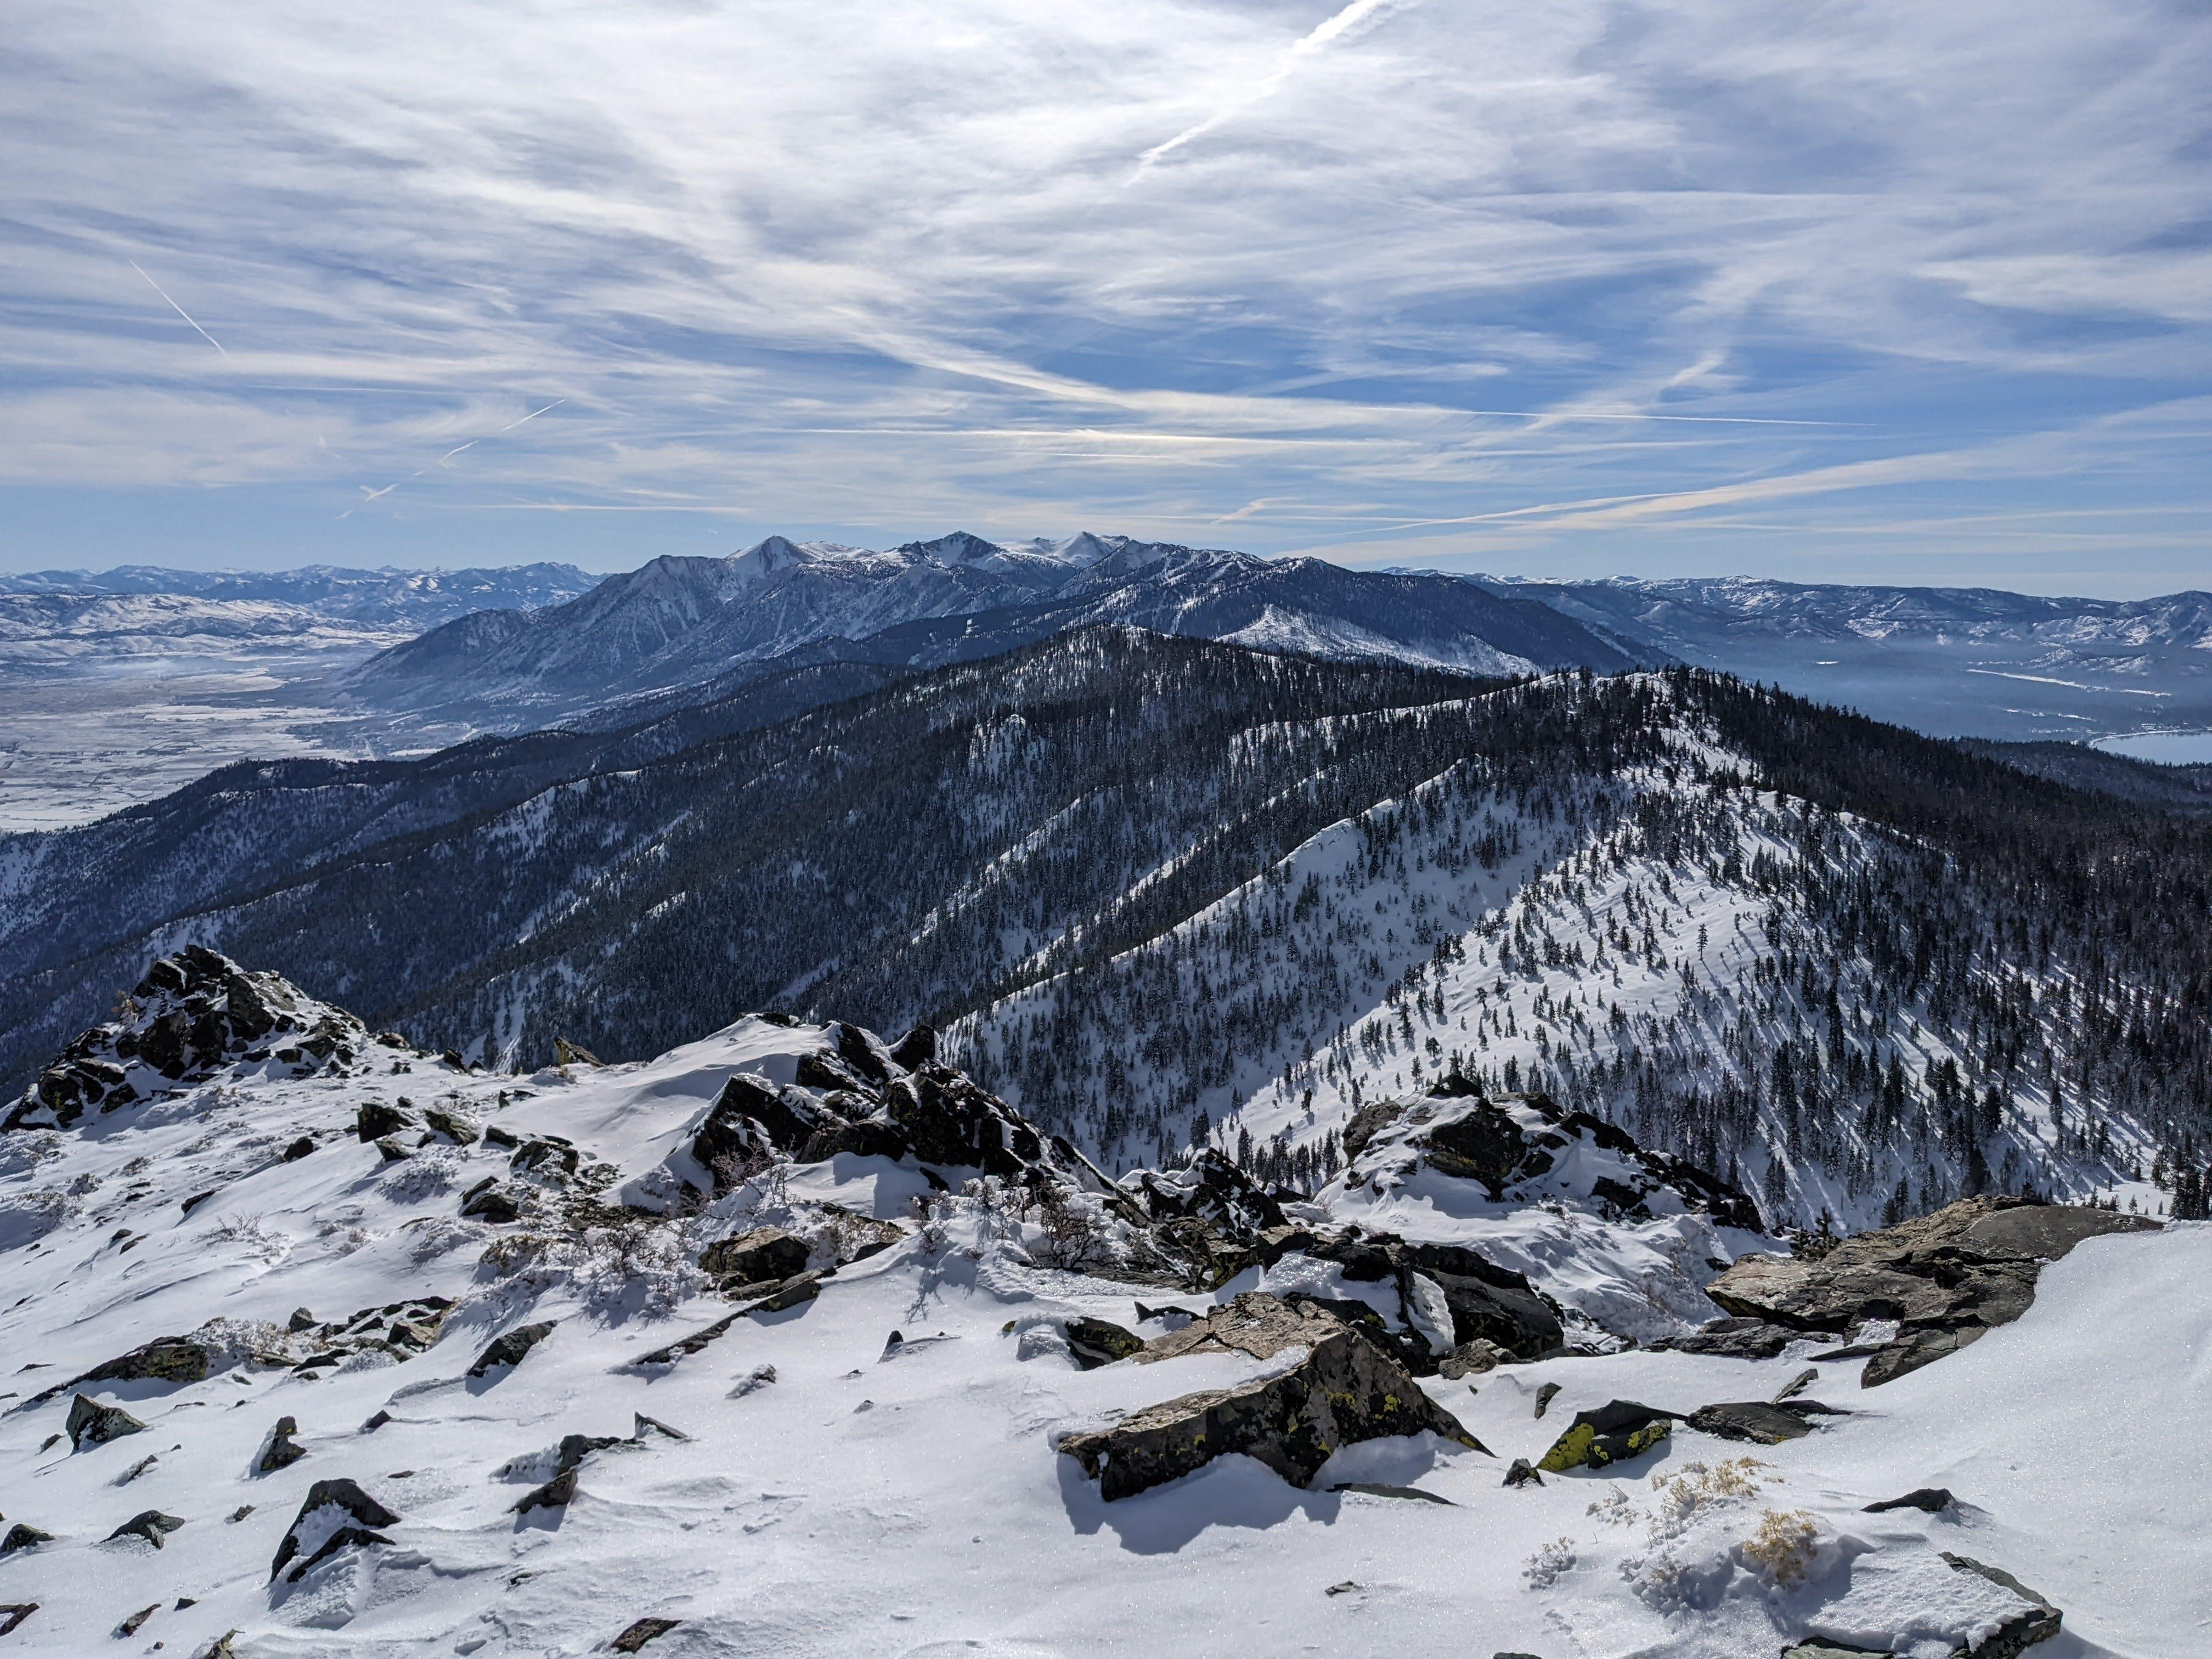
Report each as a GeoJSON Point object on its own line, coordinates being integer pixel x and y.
{"type": "Point", "coordinates": [712, 623]}
{"type": "Point", "coordinates": [791, 1340]}
{"type": "Point", "coordinates": [1162, 889]}
{"type": "Point", "coordinates": [1949, 660]}
{"type": "Point", "coordinates": [388, 598]}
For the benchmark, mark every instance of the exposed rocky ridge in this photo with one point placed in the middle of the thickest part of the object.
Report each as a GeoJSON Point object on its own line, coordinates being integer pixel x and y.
{"type": "Point", "coordinates": [193, 1015]}
{"type": "Point", "coordinates": [1943, 1279]}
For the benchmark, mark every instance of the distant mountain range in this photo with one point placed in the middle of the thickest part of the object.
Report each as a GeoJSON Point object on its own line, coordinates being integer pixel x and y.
{"type": "Point", "coordinates": [383, 597]}
{"type": "Point", "coordinates": [688, 629]}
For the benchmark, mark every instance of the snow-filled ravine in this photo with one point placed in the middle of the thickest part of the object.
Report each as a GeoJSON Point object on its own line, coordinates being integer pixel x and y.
{"type": "Point", "coordinates": [806, 1484]}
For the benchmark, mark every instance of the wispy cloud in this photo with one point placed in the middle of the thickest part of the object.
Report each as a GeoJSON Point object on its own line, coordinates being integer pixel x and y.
{"type": "Point", "coordinates": [1595, 285]}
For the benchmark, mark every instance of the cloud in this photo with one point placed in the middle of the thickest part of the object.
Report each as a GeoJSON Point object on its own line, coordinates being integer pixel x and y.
{"type": "Point", "coordinates": [1577, 283]}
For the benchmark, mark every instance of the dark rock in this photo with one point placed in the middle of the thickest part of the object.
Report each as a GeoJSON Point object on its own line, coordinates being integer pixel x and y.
{"type": "Point", "coordinates": [636, 1636]}
{"type": "Point", "coordinates": [91, 1423]}
{"type": "Point", "coordinates": [641, 1425]}
{"type": "Point", "coordinates": [1816, 1647]}
{"type": "Point", "coordinates": [1375, 1489]}
{"type": "Point", "coordinates": [510, 1348]}
{"type": "Point", "coordinates": [330, 1503]}
{"type": "Point", "coordinates": [299, 1149]}
{"type": "Point", "coordinates": [1737, 1338]}
{"type": "Point", "coordinates": [393, 1153]}
{"type": "Point", "coordinates": [197, 1199]}
{"type": "Point", "coordinates": [130, 1625]}
{"type": "Point", "coordinates": [23, 1536]}
{"type": "Point", "coordinates": [1545, 1396]}
{"type": "Point", "coordinates": [565, 1053]}
{"type": "Point", "coordinates": [149, 1524]}
{"type": "Point", "coordinates": [1471, 1359]}
{"type": "Point", "coordinates": [555, 1494]}
{"type": "Point", "coordinates": [283, 1450]}
{"type": "Point", "coordinates": [549, 1154]}
{"type": "Point", "coordinates": [13, 1614]}
{"type": "Point", "coordinates": [1344, 1588]}
{"type": "Point", "coordinates": [1612, 1433]}
{"type": "Point", "coordinates": [1524, 1474]}
{"type": "Point", "coordinates": [1759, 1422]}
{"type": "Point", "coordinates": [1346, 1389]}
{"type": "Point", "coordinates": [2039, 1623]}
{"type": "Point", "coordinates": [916, 1049]}
{"type": "Point", "coordinates": [302, 1320]}
{"type": "Point", "coordinates": [1797, 1385]}
{"type": "Point", "coordinates": [764, 1253]}
{"type": "Point", "coordinates": [1934, 1500]}
{"type": "Point", "coordinates": [452, 1058]}
{"type": "Point", "coordinates": [374, 1121]}
{"type": "Point", "coordinates": [506, 1139]}
{"type": "Point", "coordinates": [165, 1359]}
{"type": "Point", "coordinates": [455, 1127]}
{"type": "Point", "coordinates": [488, 1202]}
{"type": "Point", "coordinates": [1096, 1342]}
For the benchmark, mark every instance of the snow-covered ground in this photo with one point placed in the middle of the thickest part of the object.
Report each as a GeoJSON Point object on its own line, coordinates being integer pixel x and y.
{"type": "Point", "coordinates": [910, 1502]}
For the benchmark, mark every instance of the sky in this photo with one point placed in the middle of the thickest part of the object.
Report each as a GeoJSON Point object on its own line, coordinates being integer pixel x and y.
{"type": "Point", "coordinates": [1833, 292]}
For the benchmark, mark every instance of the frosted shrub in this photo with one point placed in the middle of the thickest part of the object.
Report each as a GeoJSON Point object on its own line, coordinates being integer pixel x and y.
{"type": "Point", "coordinates": [1551, 1563]}
{"type": "Point", "coordinates": [1784, 1547]}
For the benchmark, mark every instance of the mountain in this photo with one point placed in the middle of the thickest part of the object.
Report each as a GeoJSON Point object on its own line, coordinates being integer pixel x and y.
{"type": "Point", "coordinates": [679, 623]}
{"type": "Point", "coordinates": [792, 1339]}
{"type": "Point", "coordinates": [386, 598]}
{"type": "Point", "coordinates": [1162, 891]}
{"type": "Point", "coordinates": [1965, 662]}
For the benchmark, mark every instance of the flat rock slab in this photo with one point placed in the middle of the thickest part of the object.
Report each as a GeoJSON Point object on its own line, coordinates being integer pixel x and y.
{"type": "Point", "coordinates": [1763, 1423]}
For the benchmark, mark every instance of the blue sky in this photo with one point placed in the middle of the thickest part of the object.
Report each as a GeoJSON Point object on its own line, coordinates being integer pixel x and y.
{"type": "Point", "coordinates": [1835, 292]}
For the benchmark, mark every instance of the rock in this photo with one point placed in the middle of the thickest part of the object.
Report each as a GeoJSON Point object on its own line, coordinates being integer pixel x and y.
{"type": "Point", "coordinates": [130, 1625]}
{"type": "Point", "coordinates": [456, 1128]}
{"type": "Point", "coordinates": [136, 1469]}
{"type": "Point", "coordinates": [2040, 1622]}
{"type": "Point", "coordinates": [763, 1254]}
{"type": "Point", "coordinates": [1818, 1647]}
{"type": "Point", "coordinates": [1934, 1500]}
{"type": "Point", "coordinates": [13, 1614]}
{"type": "Point", "coordinates": [1344, 1391]}
{"type": "Point", "coordinates": [1375, 1489]}
{"type": "Point", "coordinates": [91, 1423]}
{"type": "Point", "coordinates": [510, 1348]}
{"type": "Point", "coordinates": [555, 1494]}
{"type": "Point", "coordinates": [1524, 1474]}
{"type": "Point", "coordinates": [1471, 1359]}
{"type": "Point", "coordinates": [636, 1635]}
{"type": "Point", "coordinates": [282, 1451]}
{"type": "Point", "coordinates": [1736, 1337]}
{"type": "Point", "coordinates": [488, 1202]}
{"type": "Point", "coordinates": [393, 1152]}
{"type": "Point", "coordinates": [23, 1536]}
{"type": "Point", "coordinates": [165, 1359]}
{"type": "Point", "coordinates": [1545, 1396]}
{"type": "Point", "coordinates": [298, 1149]}
{"type": "Point", "coordinates": [374, 1121]}
{"type": "Point", "coordinates": [916, 1049]}
{"type": "Point", "coordinates": [1344, 1588]}
{"type": "Point", "coordinates": [1945, 1278]}
{"type": "Point", "coordinates": [1612, 1433]}
{"type": "Point", "coordinates": [302, 1320]}
{"type": "Point", "coordinates": [149, 1524]}
{"type": "Point", "coordinates": [1096, 1342]}
{"type": "Point", "coordinates": [335, 1515]}
{"type": "Point", "coordinates": [565, 1053]}
{"type": "Point", "coordinates": [761, 1376]}
{"type": "Point", "coordinates": [1760, 1422]}
{"type": "Point", "coordinates": [641, 1425]}
{"type": "Point", "coordinates": [1797, 1385]}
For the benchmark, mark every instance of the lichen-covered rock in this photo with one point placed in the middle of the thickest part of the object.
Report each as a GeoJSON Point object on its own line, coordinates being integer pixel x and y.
{"type": "Point", "coordinates": [1612, 1433]}
{"type": "Point", "coordinates": [1344, 1391]}
{"type": "Point", "coordinates": [165, 1359]}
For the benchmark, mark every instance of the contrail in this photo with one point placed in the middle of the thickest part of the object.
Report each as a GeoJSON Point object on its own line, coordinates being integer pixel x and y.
{"type": "Point", "coordinates": [175, 306]}
{"type": "Point", "coordinates": [1331, 29]}
{"type": "Point", "coordinates": [369, 495]}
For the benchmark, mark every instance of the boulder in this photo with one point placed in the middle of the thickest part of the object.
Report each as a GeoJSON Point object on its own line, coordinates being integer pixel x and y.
{"type": "Point", "coordinates": [1735, 1338]}
{"type": "Point", "coordinates": [488, 1202]}
{"type": "Point", "coordinates": [373, 1121]}
{"type": "Point", "coordinates": [335, 1515]}
{"type": "Point", "coordinates": [510, 1348]}
{"type": "Point", "coordinates": [91, 1423]}
{"type": "Point", "coordinates": [2037, 1622]}
{"type": "Point", "coordinates": [764, 1253]}
{"type": "Point", "coordinates": [565, 1053]}
{"type": "Point", "coordinates": [1613, 1432]}
{"type": "Point", "coordinates": [456, 1128]}
{"type": "Point", "coordinates": [1524, 1474]}
{"type": "Point", "coordinates": [636, 1634]}
{"type": "Point", "coordinates": [1945, 1278]}
{"type": "Point", "coordinates": [1096, 1342]}
{"type": "Point", "coordinates": [149, 1524]}
{"type": "Point", "coordinates": [1471, 1359]}
{"type": "Point", "coordinates": [1931, 1500]}
{"type": "Point", "coordinates": [283, 1451]}
{"type": "Point", "coordinates": [555, 1494]}
{"type": "Point", "coordinates": [13, 1614]}
{"type": "Point", "coordinates": [23, 1536]}
{"type": "Point", "coordinates": [1343, 1389]}
{"type": "Point", "coordinates": [165, 1359]}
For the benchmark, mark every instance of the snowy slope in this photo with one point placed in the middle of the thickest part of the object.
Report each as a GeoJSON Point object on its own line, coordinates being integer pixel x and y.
{"type": "Point", "coordinates": [906, 1497]}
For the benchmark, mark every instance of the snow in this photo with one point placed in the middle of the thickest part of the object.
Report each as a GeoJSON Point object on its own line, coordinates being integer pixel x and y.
{"type": "Point", "coordinates": [914, 1504]}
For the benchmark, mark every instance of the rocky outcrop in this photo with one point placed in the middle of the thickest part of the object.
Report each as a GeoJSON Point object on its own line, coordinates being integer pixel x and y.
{"type": "Point", "coordinates": [91, 1423]}
{"type": "Point", "coordinates": [402, 1329]}
{"type": "Point", "coordinates": [1946, 1279]}
{"type": "Point", "coordinates": [750, 1258]}
{"type": "Point", "coordinates": [2039, 1621]}
{"type": "Point", "coordinates": [1525, 1148]}
{"type": "Point", "coordinates": [1343, 1389]}
{"type": "Point", "coordinates": [195, 1014]}
{"type": "Point", "coordinates": [510, 1348]}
